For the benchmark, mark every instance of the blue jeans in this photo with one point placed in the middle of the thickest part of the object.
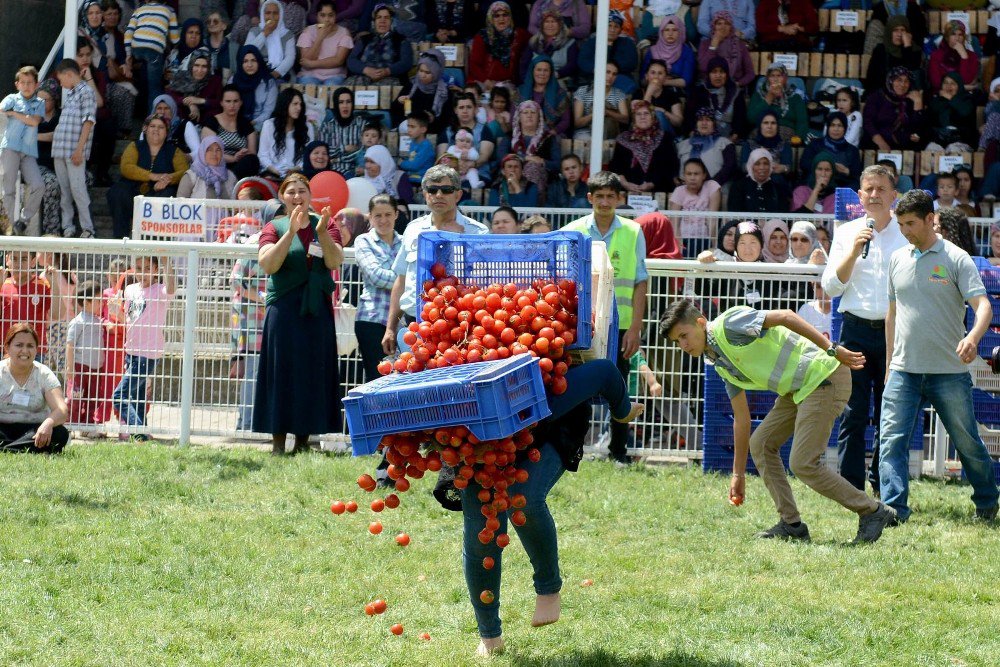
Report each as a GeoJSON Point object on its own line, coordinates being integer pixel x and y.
{"type": "Point", "coordinates": [155, 63]}
{"type": "Point", "coordinates": [585, 381]}
{"type": "Point", "coordinates": [537, 535]}
{"type": "Point", "coordinates": [951, 396]}
{"type": "Point", "coordinates": [247, 385]}
{"type": "Point", "coordinates": [866, 392]}
{"type": "Point", "coordinates": [129, 398]}
{"type": "Point", "coordinates": [316, 81]}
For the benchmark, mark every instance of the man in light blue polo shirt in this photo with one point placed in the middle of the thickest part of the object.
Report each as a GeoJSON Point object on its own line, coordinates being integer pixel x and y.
{"type": "Point", "coordinates": [442, 192]}
{"type": "Point", "coordinates": [929, 351]}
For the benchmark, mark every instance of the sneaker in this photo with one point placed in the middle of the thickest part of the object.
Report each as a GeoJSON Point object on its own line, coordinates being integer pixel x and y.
{"type": "Point", "coordinates": [785, 531]}
{"type": "Point", "coordinates": [86, 234]}
{"type": "Point", "coordinates": [870, 526]}
{"type": "Point", "coordinates": [988, 514]}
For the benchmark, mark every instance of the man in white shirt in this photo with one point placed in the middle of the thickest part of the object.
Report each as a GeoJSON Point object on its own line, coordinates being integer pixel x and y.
{"type": "Point", "coordinates": [862, 284]}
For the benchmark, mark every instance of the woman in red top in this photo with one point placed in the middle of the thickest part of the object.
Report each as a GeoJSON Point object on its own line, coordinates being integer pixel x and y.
{"type": "Point", "coordinates": [953, 55]}
{"type": "Point", "coordinates": [496, 49]}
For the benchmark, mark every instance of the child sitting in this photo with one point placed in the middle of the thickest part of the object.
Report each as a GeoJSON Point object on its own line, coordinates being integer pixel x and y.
{"type": "Point", "coordinates": [947, 189]}
{"type": "Point", "coordinates": [467, 156]}
{"type": "Point", "coordinates": [421, 153]}
{"type": "Point", "coordinates": [370, 136]}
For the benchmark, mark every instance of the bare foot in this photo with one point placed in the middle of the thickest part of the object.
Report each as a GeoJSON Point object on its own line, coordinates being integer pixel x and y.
{"type": "Point", "coordinates": [546, 610]}
{"type": "Point", "coordinates": [637, 409]}
{"type": "Point", "coordinates": [490, 647]}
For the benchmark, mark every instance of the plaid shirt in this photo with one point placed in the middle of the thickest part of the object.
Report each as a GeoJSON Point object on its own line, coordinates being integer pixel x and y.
{"type": "Point", "coordinates": [80, 107]}
{"type": "Point", "coordinates": [375, 257]}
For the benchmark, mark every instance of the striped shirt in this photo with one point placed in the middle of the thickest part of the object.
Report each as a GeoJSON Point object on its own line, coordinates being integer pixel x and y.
{"type": "Point", "coordinates": [153, 26]}
{"type": "Point", "coordinates": [375, 257]}
{"type": "Point", "coordinates": [337, 137]}
{"type": "Point", "coordinates": [80, 107]}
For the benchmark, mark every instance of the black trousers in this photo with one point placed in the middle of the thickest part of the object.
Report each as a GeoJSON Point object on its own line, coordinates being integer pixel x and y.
{"type": "Point", "coordinates": [370, 346]}
{"type": "Point", "coordinates": [619, 432]}
{"type": "Point", "coordinates": [865, 406]}
{"type": "Point", "coordinates": [16, 437]}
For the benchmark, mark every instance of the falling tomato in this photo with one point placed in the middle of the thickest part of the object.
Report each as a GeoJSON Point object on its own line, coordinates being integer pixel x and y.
{"type": "Point", "coordinates": [487, 597]}
{"type": "Point", "coordinates": [352, 506]}
{"type": "Point", "coordinates": [488, 563]}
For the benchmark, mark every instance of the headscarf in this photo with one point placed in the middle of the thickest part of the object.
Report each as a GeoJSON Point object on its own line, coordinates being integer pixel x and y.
{"type": "Point", "coordinates": [720, 239]}
{"type": "Point", "coordinates": [991, 131]}
{"type": "Point", "coordinates": [700, 142]}
{"type": "Point", "coordinates": [897, 101]}
{"type": "Point", "coordinates": [831, 187]}
{"type": "Point", "coordinates": [433, 59]}
{"type": "Point", "coordinates": [773, 144]}
{"type": "Point", "coordinates": [183, 50]}
{"type": "Point", "coordinates": [248, 84]}
{"type": "Point", "coordinates": [893, 22]}
{"type": "Point", "coordinates": [770, 227]}
{"type": "Point", "coordinates": [994, 229]}
{"type": "Point", "coordinates": [755, 155]}
{"type": "Point", "coordinates": [355, 221]}
{"type": "Point", "coordinates": [555, 97]}
{"type": "Point", "coordinates": [659, 233]}
{"type": "Point", "coordinates": [184, 82]}
{"type": "Point", "coordinates": [670, 53]}
{"type": "Point", "coordinates": [642, 143]}
{"type": "Point", "coordinates": [951, 58]}
{"type": "Point", "coordinates": [616, 16]}
{"type": "Point", "coordinates": [517, 143]}
{"type": "Point", "coordinates": [380, 51]}
{"type": "Point", "coordinates": [499, 43]}
{"type": "Point", "coordinates": [835, 145]}
{"type": "Point", "coordinates": [52, 87]}
{"type": "Point", "coordinates": [748, 227]}
{"type": "Point", "coordinates": [93, 33]}
{"type": "Point", "coordinates": [721, 98]}
{"type": "Point", "coordinates": [342, 122]}
{"type": "Point", "coordinates": [538, 42]}
{"type": "Point", "coordinates": [213, 176]}
{"type": "Point", "coordinates": [275, 41]}
{"type": "Point", "coordinates": [169, 101]}
{"type": "Point", "coordinates": [807, 229]}
{"type": "Point", "coordinates": [308, 170]}
{"type": "Point", "coordinates": [385, 182]}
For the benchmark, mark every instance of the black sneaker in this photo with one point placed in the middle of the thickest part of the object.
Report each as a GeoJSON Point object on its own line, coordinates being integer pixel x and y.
{"type": "Point", "coordinates": [988, 514]}
{"type": "Point", "coordinates": [870, 526]}
{"type": "Point", "coordinates": [785, 531]}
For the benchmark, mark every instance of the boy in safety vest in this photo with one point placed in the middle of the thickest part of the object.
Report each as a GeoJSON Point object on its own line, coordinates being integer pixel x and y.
{"type": "Point", "coordinates": [627, 252]}
{"type": "Point", "coordinates": [779, 351]}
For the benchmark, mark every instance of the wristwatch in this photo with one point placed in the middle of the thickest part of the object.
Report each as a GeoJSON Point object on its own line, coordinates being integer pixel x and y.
{"type": "Point", "coordinates": [832, 351]}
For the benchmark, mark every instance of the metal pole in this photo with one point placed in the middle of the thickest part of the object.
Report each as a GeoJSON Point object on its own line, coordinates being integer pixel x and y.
{"type": "Point", "coordinates": [940, 446]}
{"type": "Point", "coordinates": [600, 92]}
{"type": "Point", "coordinates": [69, 29]}
{"type": "Point", "coordinates": [187, 365]}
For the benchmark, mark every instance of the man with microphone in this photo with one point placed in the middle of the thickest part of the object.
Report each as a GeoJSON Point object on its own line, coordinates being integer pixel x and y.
{"type": "Point", "coordinates": [858, 272]}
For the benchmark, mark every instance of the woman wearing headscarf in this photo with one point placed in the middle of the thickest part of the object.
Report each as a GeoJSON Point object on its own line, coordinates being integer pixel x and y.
{"type": "Point", "coordinates": [784, 25]}
{"type": "Point", "coordinates": [724, 44]}
{"type": "Point", "coordinates": [429, 92]}
{"type": "Point", "coordinates": [718, 91]}
{"type": "Point", "coordinates": [716, 151]}
{"type": "Point", "coordinates": [257, 88]}
{"type": "Point", "coordinates": [899, 48]}
{"type": "Point", "coordinates": [775, 241]}
{"type": "Point", "coordinates": [553, 40]}
{"type": "Point", "coordinates": [496, 50]}
{"type": "Point", "coordinates": [878, 24]}
{"type": "Point", "coordinates": [180, 133]}
{"type": "Point", "coordinates": [196, 90]}
{"type": "Point", "coordinates": [757, 192]}
{"type": "Point", "coordinates": [953, 54]}
{"type": "Point", "coordinates": [661, 243]}
{"type": "Point", "coordinates": [575, 14]}
{"type": "Point", "coordinates": [989, 141]}
{"type": "Point", "coordinates": [382, 56]}
{"type": "Point", "coordinates": [644, 156]}
{"type": "Point", "coordinates": [720, 295]}
{"type": "Point", "coordinates": [208, 177]}
{"type": "Point", "coordinates": [275, 41]}
{"type": "Point", "coordinates": [803, 241]}
{"type": "Point", "coordinates": [535, 144]}
{"type": "Point", "coordinates": [845, 155]}
{"type": "Point", "coordinates": [725, 244]}
{"type": "Point", "coordinates": [381, 171]}
{"type": "Point", "coordinates": [192, 33]}
{"type": "Point", "coordinates": [315, 158]}
{"type": "Point", "coordinates": [542, 86]}
{"type": "Point", "coordinates": [740, 11]}
{"type": "Point", "coordinates": [672, 48]}
{"type": "Point", "coordinates": [342, 132]}
{"type": "Point", "coordinates": [773, 93]}
{"type": "Point", "coordinates": [818, 196]}
{"type": "Point", "coordinates": [953, 113]}
{"type": "Point", "coordinates": [894, 115]}
{"type": "Point", "coordinates": [293, 18]}
{"type": "Point", "coordinates": [512, 188]}
{"type": "Point", "coordinates": [767, 136]}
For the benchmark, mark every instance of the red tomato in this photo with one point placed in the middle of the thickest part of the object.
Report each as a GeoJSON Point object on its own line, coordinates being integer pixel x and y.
{"type": "Point", "coordinates": [439, 270]}
{"type": "Point", "coordinates": [352, 506]}
{"type": "Point", "coordinates": [375, 527]}
{"type": "Point", "coordinates": [517, 518]}
{"type": "Point", "coordinates": [402, 485]}
{"type": "Point", "coordinates": [338, 507]}
{"type": "Point", "coordinates": [366, 482]}
{"type": "Point", "coordinates": [392, 501]}
{"type": "Point", "coordinates": [534, 455]}
{"type": "Point", "coordinates": [369, 609]}
{"type": "Point", "coordinates": [384, 367]}
{"type": "Point", "coordinates": [488, 563]}
{"type": "Point", "coordinates": [487, 597]}
{"type": "Point", "coordinates": [396, 629]}
{"type": "Point", "coordinates": [485, 536]}
{"type": "Point", "coordinates": [379, 606]}
{"type": "Point", "coordinates": [736, 501]}
{"type": "Point", "coordinates": [518, 500]}
{"type": "Point", "coordinates": [559, 385]}
{"type": "Point", "coordinates": [403, 539]}
{"type": "Point", "coordinates": [426, 637]}
{"type": "Point", "coordinates": [503, 539]}
{"type": "Point", "coordinates": [484, 495]}
{"type": "Point", "coordinates": [378, 505]}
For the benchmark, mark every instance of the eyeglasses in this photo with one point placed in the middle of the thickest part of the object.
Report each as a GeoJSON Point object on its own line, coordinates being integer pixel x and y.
{"type": "Point", "coordinates": [440, 189]}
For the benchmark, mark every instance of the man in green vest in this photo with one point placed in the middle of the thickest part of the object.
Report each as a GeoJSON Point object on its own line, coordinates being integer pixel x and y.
{"type": "Point", "coordinates": [627, 251]}
{"type": "Point", "coordinates": [778, 351]}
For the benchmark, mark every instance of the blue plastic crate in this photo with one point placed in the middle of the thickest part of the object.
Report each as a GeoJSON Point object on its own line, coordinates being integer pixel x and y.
{"type": "Point", "coordinates": [717, 400]}
{"type": "Point", "coordinates": [986, 407]}
{"type": "Point", "coordinates": [494, 399]}
{"type": "Point", "coordinates": [717, 441]}
{"type": "Point", "coordinates": [482, 259]}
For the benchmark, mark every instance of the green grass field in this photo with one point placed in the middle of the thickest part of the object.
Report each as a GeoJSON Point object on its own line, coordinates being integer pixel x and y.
{"type": "Point", "coordinates": [153, 555]}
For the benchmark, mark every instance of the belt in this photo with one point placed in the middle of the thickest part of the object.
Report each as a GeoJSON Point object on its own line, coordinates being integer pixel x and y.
{"type": "Point", "coordinates": [860, 321]}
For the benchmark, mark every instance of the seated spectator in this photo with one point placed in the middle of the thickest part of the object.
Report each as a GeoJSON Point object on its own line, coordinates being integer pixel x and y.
{"type": "Point", "coordinates": [371, 135]}
{"type": "Point", "coordinates": [783, 25]}
{"type": "Point", "coordinates": [196, 90]}
{"type": "Point", "coordinates": [505, 221]}
{"type": "Point", "coordinates": [775, 248]}
{"type": "Point", "coordinates": [575, 15]}
{"type": "Point", "coordinates": [537, 224]}
{"type": "Point", "coordinates": [953, 54]}
{"type": "Point", "coordinates": [150, 166]}
{"type": "Point", "coordinates": [192, 31]}
{"type": "Point", "coordinates": [699, 193]}
{"type": "Point", "coordinates": [208, 177]}
{"type": "Point", "coordinates": [953, 113]}
{"type": "Point", "coordinates": [819, 195]}
{"type": "Point", "coordinates": [544, 88]}
{"type": "Point", "coordinates": [429, 93]}
{"type": "Point", "coordinates": [724, 44]}
{"type": "Point", "coordinates": [615, 107]}
{"type": "Point", "coordinates": [965, 193]}
{"type": "Point", "coordinates": [342, 131]}
{"type": "Point", "coordinates": [382, 56]}
{"type": "Point", "coordinates": [894, 115]}
{"type": "Point", "coordinates": [903, 182]}
{"type": "Point", "coordinates": [953, 225]}
{"type": "Point", "coordinates": [275, 41]}
{"type": "Point", "coordinates": [293, 13]}
{"type": "Point", "coordinates": [718, 91]}
{"type": "Point", "coordinates": [767, 136]}
{"type": "Point", "coordinates": [536, 145]}
{"type": "Point", "coordinates": [742, 13]}
{"type": "Point", "coordinates": [409, 17]}
{"type": "Point", "coordinates": [35, 423]}
{"type": "Point", "coordinates": [284, 136]}
{"type": "Point", "coordinates": [947, 188]}
{"type": "Point", "coordinates": [257, 89]}
{"type": "Point", "coordinates": [993, 254]}
{"type": "Point", "coordinates": [803, 244]}
{"type": "Point", "coordinates": [217, 44]}
{"type": "Point", "coordinates": [878, 25]}
{"type": "Point", "coordinates": [323, 49]}
{"type": "Point", "coordinates": [180, 132]}
{"type": "Point", "coordinates": [381, 172]}
{"type": "Point", "coordinates": [846, 156]}
{"type": "Point", "coordinates": [672, 49]}
{"type": "Point", "coordinates": [848, 103]}
{"type": "Point", "coordinates": [237, 134]}
{"type": "Point", "coordinates": [463, 115]}
{"type": "Point", "coordinates": [316, 159]}
{"type": "Point", "coordinates": [667, 101]}
{"type": "Point", "coordinates": [495, 55]}
{"type": "Point", "coordinates": [716, 151]}
{"type": "Point", "coordinates": [498, 115]}
{"type": "Point", "coordinates": [450, 21]}
{"type": "Point", "coordinates": [644, 157]}
{"type": "Point", "coordinates": [512, 188]}
{"type": "Point", "coordinates": [899, 48]}
{"type": "Point", "coordinates": [465, 152]}
{"type": "Point", "coordinates": [621, 50]}
{"type": "Point", "coordinates": [725, 245]}
{"type": "Point", "coordinates": [421, 154]}
{"type": "Point", "coordinates": [553, 40]}
{"type": "Point", "coordinates": [756, 293]}
{"type": "Point", "coordinates": [757, 192]}
{"type": "Point", "coordinates": [108, 55]}
{"type": "Point", "coordinates": [773, 93]}
{"type": "Point", "coordinates": [568, 190]}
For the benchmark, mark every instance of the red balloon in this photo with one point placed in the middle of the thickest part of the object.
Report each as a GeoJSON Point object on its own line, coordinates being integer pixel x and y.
{"type": "Point", "coordinates": [328, 189]}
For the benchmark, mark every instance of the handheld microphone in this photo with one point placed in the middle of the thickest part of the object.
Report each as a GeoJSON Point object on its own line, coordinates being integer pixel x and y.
{"type": "Point", "coordinates": [868, 243]}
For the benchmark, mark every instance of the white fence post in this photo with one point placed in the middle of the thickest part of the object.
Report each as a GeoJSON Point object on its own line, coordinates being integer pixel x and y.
{"type": "Point", "coordinates": [187, 364]}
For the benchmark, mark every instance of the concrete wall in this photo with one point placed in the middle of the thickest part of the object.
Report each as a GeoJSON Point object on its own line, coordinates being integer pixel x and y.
{"type": "Point", "coordinates": [27, 30]}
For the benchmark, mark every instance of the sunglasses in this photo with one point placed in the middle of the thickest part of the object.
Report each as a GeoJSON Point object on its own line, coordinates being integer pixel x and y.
{"type": "Point", "coordinates": [440, 189]}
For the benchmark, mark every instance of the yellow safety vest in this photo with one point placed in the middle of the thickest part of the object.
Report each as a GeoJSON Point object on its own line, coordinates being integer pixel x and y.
{"type": "Point", "coordinates": [621, 252]}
